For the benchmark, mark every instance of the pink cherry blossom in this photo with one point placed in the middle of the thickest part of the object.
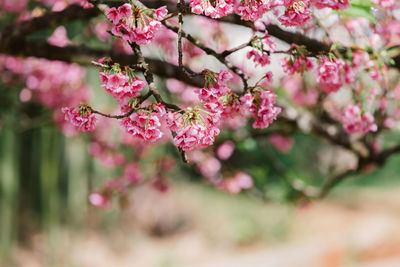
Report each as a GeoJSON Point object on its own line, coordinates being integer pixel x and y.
{"type": "Point", "coordinates": [356, 121]}
{"type": "Point", "coordinates": [333, 4]}
{"type": "Point", "coordinates": [189, 137]}
{"type": "Point", "coordinates": [221, 9]}
{"type": "Point", "coordinates": [99, 200]}
{"type": "Point", "coordinates": [133, 174]}
{"type": "Point", "coordinates": [196, 128]}
{"type": "Point", "coordinates": [142, 31]}
{"type": "Point", "coordinates": [262, 59]}
{"type": "Point", "coordinates": [161, 12]}
{"type": "Point", "coordinates": [80, 117]}
{"type": "Point", "coordinates": [283, 143]}
{"type": "Point", "coordinates": [225, 150]}
{"type": "Point", "coordinates": [252, 10]}
{"type": "Point", "coordinates": [120, 86]}
{"type": "Point", "coordinates": [209, 167]}
{"type": "Point", "coordinates": [125, 10]}
{"type": "Point", "coordinates": [236, 184]}
{"type": "Point", "coordinates": [244, 180]}
{"type": "Point", "coordinates": [296, 14]}
{"type": "Point", "coordinates": [143, 125]}
{"type": "Point", "coordinates": [13, 5]}
{"type": "Point", "coordinates": [264, 109]}
{"type": "Point", "coordinates": [113, 15]}
{"type": "Point", "coordinates": [328, 75]}
{"type": "Point", "coordinates": [298, 64]}
{"type": "Point", "coordinates": [59, 37]}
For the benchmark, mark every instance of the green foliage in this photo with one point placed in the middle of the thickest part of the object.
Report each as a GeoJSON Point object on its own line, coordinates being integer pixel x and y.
{"type": "Point", "coordinates": [359, 8]}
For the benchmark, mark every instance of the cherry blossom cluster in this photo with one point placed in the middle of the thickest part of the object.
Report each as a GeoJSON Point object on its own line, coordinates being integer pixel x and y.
{"type": "Point", "coordinates": [299, 94]}
{"type": "Point", "coordinates": [145, 124]}
{"type": "Point", "coordinates": [117, 185]}
{"type": "Point", "coordinates": [54, 84]}
{"type": "Point", "coordinates": [81, 117]}
{"type": "Point", "coordinates": [135, 25]}
{"type": "Point", "coordinates": [329, 76]}
{"type": "Point", "coordinates": [297, 63]}
{"type": "Point", "coordinates": [209, 166]}
{"type": "Point", "coordinates": [259, 54]}
{"type": "Point", "coordinates": [106, 153]}
{"type": "Point", "coordinates": [215, 87]}
{"type": "Point", "coordinates": [261, 103]}
{"type": "Point", "coordinates": [296, 12]}
{"type": "Point", "coordinates": [132, 176]}
{"type": "Point", "coordinates": [121, 85]}
{"type": "Point", "coordinates": [196, 128]}
{"type": "Point", "coordinates": [355, 120]}
{"type": "Point", "coordinates": [240, 181]}
{"type": "Point", "coordinates": [281, 142]}
{"type": "Point", "coordinates": [222, 8]}
{"type": "Point", "coordinates": [333, 4]}
{"type": "Point", "coordinates": [259, 59]}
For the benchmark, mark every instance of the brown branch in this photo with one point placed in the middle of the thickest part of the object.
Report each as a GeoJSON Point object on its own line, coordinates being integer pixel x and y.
{"type": "Point", "coordinates": [150, 79]}
{"type": "Point", "coordinates": [335, 180]}
{"type": "Point", "coordinates": [84, 56]}
{"type": "Point", "coordinates": [180, 20]}
{"type": "Point", "coordinates": [312, 45]}
{"type": "Point", "coordinates": [141, 100]}
{"type": "Point", "coordinates": [235, 49]}
{"type": "Point", "coordinates": [211, 52]}
{"type": "Point", "coordinates": [20, 30]}
{"type": "Point", "coordinates": [379, 159]}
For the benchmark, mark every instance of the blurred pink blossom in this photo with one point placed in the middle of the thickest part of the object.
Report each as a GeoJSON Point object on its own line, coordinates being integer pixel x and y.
{"type": "Point", "coordinates": [225, 150]}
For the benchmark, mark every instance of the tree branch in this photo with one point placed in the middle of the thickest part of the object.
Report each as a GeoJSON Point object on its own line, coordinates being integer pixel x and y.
{"type": "Point", "coordinates": [84, 56]}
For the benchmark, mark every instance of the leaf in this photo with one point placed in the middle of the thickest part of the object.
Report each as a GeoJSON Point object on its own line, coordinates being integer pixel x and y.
{"type": "Point", "coordinates": [365, 3]}
{"type": "Point", "coordinates": [356, 10]}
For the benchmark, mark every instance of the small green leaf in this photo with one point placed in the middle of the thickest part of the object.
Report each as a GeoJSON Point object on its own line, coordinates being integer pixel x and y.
{"type": "Point", "coordinates": [356, 10]}
{"type": "Point", "coordinates": [365, 3]}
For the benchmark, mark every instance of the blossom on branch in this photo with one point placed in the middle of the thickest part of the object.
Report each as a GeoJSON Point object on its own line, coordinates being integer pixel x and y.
{"type": "Point", "coordinates": [328, 75]}
{"type": "Point", "coordinates": [357, 121]}
{"type": "Point", "coordinates": [261, 103]}
{"type": "Point", "coordinates": [81, 117]}
{"type": "Point", "coordinates": [135, 25]}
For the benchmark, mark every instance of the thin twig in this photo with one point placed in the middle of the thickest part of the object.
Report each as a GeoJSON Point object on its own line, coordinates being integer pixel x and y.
{"type": "Point", "coordinates": [211, 52]}
{"type": "Point", "coordinates": [180, 19]}
{"type": "Point", "coordinates": [235, 49]}
{"type": "Point", "coordinates": [141, 100]}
